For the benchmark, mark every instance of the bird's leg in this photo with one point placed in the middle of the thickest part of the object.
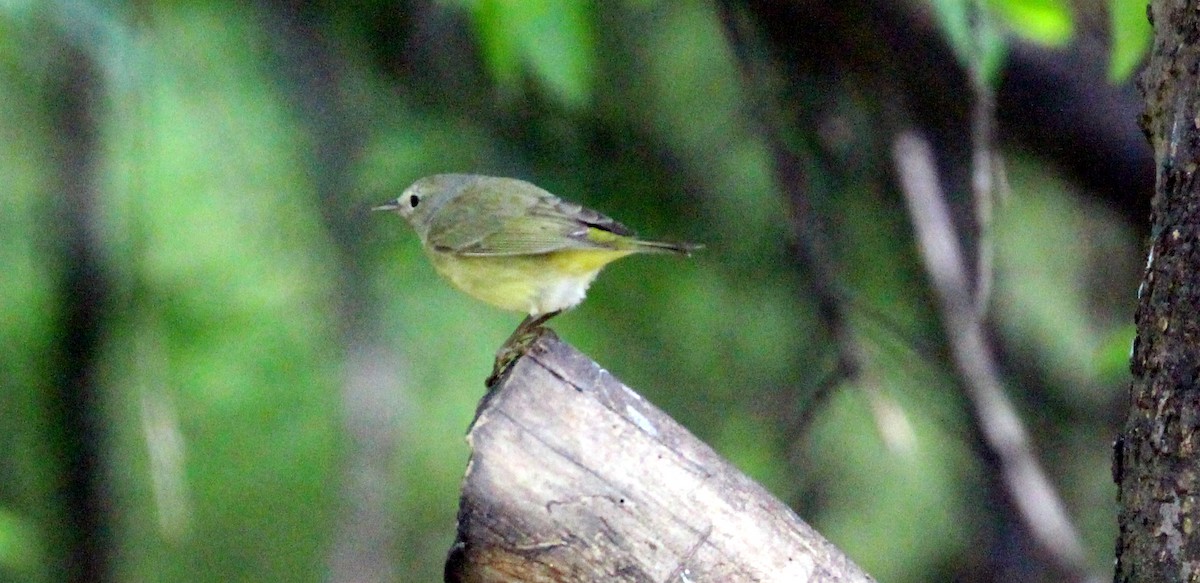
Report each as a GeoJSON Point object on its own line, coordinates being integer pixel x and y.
{"type": "Point", "coordinates": [517, 343]}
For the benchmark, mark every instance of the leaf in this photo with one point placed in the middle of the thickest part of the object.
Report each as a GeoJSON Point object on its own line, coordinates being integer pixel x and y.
{"type": "Point", "coordinates": [1045, 22]}
{"type": "Point", "coordinates": [1113, 355]}
{"type": "Point", "coordinates": [554, 40]}
{"type": "Point", "coordinates": [954, 17]}
{"type": "Point", "coordinates": [18, 542]}
{"type": "Point", "coordinates": [498, 40]}
{"type": "Point", "coordinates": [975, 40]}
{"type": "Point", "coordinates": [561, 47]}
{"type": "Point", "coordinates": [1131, 35]}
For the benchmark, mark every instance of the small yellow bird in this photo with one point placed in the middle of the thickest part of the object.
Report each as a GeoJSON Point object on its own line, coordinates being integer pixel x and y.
{"type": "Point", "coordinates": [514, 245]}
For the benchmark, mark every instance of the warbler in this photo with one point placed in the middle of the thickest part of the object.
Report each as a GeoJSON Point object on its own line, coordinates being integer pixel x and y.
{"type": "Point", "coordinates": [514, 245]}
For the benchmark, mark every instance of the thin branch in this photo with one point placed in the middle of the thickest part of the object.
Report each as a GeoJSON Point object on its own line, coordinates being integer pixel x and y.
{"type": "Point", "coordinates": [987, 167]}
{"type": "Point", "coordinates": [812, 243]}
{"type": "Point", "coordinates": [1003, 433]}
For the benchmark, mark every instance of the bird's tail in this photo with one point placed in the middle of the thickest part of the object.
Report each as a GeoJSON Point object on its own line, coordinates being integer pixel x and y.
{"type": "Point", "coordinates": [685, 249]}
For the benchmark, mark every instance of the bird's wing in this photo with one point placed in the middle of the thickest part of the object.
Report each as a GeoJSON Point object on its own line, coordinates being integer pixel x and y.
{"type": "Point", "coordinates": [517, 218]}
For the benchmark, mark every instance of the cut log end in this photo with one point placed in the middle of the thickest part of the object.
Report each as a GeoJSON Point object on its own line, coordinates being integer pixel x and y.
{"type": "Point", "coordinates": [575, 477]}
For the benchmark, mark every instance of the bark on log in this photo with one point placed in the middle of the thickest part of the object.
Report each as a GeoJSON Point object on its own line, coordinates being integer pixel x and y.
{"type": "Point", "coordinates": [575, 477]}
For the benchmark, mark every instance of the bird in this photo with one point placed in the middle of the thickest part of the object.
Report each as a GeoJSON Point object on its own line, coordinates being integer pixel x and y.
{"type": "Point", "coordinates": [516, 246]}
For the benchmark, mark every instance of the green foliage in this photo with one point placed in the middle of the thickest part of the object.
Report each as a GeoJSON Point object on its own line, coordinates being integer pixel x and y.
{"type": "Point", "coordinates": [28, 318]}
{"type": "Point", "coordinates": [975, 28]}
{"type": "Point", "coordinates": [1046, 22]}
{"type": "Point", "coordinates": [1054, 254]}
{"type": "Point", "coordinates": [214, 219]}
{"type": "Point", "coordinates": [1113, 354]}
{"type": "Point", "coordinates": [918, 496]}
{"type": "Point", "coordinates": [973, 34]}
{"type": "Point", "coordinates": [1131, 35]}
{"type": "Point", "coordinates": [976, 41]}
{"type": "Point", "coordinates": [1039, 279]}
{"type": "Point", "coordinates": [223, 366]}
{"type": "Point", "coordinates": [555, 40]}
{"type": "Point", "coordinates": [20, 550]}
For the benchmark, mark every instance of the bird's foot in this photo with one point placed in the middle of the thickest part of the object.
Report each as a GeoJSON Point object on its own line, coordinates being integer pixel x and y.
{"type": "Point", "coordinates": [514, 348]}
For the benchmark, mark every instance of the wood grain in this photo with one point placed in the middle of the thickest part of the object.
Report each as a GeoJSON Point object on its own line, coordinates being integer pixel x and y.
{"type": "Point", "coordinates": [575, 477]}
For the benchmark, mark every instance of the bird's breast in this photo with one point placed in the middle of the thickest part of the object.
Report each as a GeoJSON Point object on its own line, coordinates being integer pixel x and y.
{"type": "Point", "coordinates": [534, 284]}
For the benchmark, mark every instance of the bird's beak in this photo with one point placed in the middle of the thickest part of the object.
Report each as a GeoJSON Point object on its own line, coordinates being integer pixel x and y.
{"type": "Point", "coordinates": [389, 206]}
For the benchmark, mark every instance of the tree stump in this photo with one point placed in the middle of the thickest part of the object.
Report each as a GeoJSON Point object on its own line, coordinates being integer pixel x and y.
{"type": "Point", "coordinates": [575, 477]}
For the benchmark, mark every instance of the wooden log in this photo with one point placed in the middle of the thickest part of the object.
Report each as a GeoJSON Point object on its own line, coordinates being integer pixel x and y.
{"type": "Point", "coordinates": [575, 477]}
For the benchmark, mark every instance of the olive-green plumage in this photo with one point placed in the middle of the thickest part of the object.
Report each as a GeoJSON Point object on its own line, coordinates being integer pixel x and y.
{"type": "Point", "coordinates": [512, 244]}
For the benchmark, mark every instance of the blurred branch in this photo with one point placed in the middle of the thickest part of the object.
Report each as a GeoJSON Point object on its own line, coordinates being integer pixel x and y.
{"type": "Point", "coordinates": [900, 73]}
{"type": "Point", "coordinates": [574, 477]}
{"type": "Point", "coordinates": [1003, 433]}
{"type": "Point", "coordinates": [987, 167]}
{"type": "Point", "coordinates": [812, 243]}
{"type": "Point", "coordinates": [85, 290]}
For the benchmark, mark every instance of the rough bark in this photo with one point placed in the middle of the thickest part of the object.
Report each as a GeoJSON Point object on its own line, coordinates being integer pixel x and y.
{"type": "Point", "coordinates": [575, 477]}
{"type": "Point", "coordinates": [1157, 466]}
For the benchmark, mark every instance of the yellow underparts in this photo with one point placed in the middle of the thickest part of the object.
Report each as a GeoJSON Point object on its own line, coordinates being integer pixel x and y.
{"type": "Point", "coordinates": [533, 284]}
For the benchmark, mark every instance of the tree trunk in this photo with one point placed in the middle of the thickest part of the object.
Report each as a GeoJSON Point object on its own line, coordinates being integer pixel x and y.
{"type": "Point", "coordinates": [1156, 460]}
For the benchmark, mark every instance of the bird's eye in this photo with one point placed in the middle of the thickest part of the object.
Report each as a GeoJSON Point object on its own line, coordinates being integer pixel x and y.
{"type": "Point", "coordinates": [414, 200]}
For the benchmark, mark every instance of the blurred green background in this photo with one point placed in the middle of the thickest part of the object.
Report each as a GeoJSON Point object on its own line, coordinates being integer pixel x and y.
{"type": "Point", "coordinates": [218, 365]}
